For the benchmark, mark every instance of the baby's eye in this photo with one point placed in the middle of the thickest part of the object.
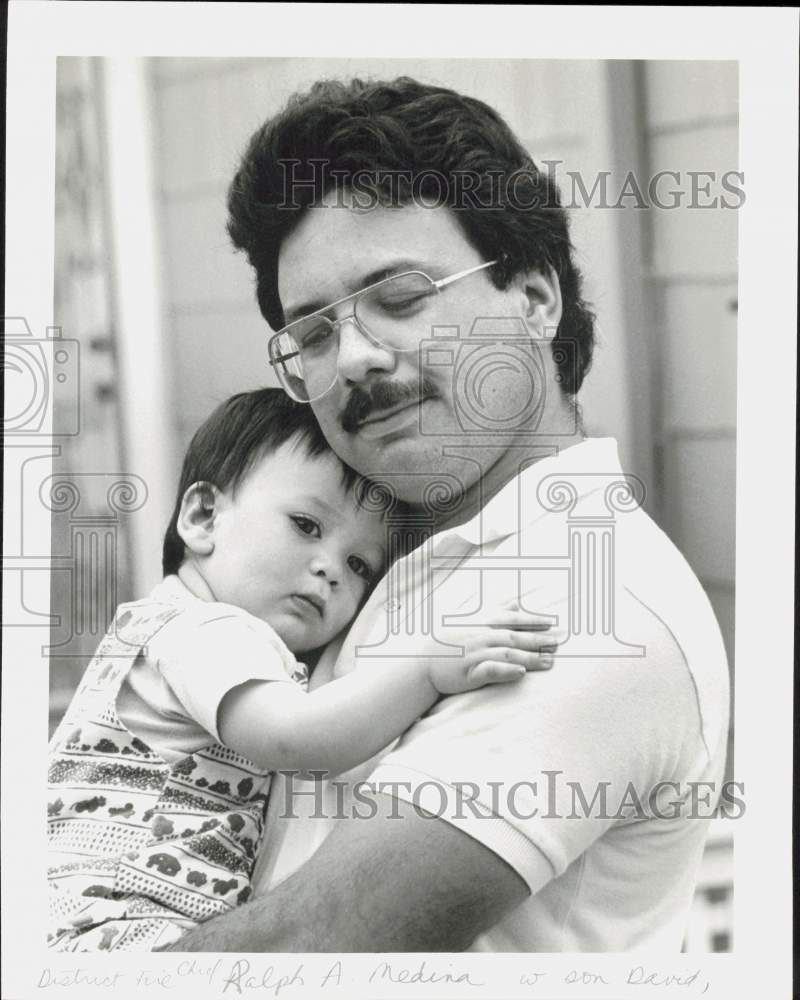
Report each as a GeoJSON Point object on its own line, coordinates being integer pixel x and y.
{"type": "Point", "coordinates": [307, 525]}
{"type": "Point", "coordinates": [360, 567]}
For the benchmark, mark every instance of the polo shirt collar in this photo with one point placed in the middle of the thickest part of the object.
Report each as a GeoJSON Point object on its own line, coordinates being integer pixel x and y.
{"type": "Point", "coordinates": [499, 517]}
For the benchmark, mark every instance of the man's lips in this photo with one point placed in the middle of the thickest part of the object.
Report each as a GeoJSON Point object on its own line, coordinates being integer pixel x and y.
{"type": "Point", "coordinates": [309, 602]}
{"type": "Point", "coordinates": [378, 415]}
{"type": "Point", "coordinates": [385, 424]}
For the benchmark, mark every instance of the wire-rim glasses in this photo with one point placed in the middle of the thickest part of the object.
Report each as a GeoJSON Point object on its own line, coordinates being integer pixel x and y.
{"type": "Point", "coordinates": [305, 353]}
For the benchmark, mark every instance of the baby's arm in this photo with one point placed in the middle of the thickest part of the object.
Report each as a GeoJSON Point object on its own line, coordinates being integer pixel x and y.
{"type": "Point", "coordinates": [279, 726]}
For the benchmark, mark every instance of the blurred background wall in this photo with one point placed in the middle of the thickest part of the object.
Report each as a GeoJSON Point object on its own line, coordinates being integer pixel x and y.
{"type": "Point", "coordinates": [167, 323]}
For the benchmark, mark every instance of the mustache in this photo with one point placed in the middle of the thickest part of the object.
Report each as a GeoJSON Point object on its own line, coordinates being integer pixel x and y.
{"type": "Point", "coordinates": [381, 396]}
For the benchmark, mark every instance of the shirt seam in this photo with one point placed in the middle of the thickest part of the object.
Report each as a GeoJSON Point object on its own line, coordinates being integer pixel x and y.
{"type": "Point", "coordinates": [490, 813]}
{"type": "Point", "coordinates": [687, 670]}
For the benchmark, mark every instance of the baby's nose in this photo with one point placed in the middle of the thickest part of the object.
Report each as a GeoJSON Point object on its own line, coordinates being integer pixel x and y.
{"type": "Point", "coordinates": [324, 565]}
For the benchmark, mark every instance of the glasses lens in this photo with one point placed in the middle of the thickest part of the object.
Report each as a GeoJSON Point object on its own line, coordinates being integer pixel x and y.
{"type": "Point", "coordinates": [305, 358]}
{"type": "Point", "coordinates": [397, 311]}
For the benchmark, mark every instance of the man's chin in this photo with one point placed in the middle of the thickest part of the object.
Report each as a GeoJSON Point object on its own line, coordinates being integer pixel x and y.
{"type": "Point", "coordinates": [400, 453]}
{"type": "Point", "coordinates": [412, 466]}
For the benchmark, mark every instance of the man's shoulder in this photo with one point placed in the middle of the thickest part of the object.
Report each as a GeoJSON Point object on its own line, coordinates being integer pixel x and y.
{"type": "Point", "coordinates": [641, 622]}
{"type": "Point", "coordinates": [654, 573]}
{"type": "Point", "coordinates": [656, 576]}
{"type": "Point", "coordinates": [641, 630]}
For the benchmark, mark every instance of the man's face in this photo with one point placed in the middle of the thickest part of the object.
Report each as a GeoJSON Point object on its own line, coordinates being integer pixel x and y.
{"type": "Point", "coordinates": [335, 251]}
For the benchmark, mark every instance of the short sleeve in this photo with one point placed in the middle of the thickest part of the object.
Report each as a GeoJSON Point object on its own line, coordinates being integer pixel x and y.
{"type": "Point", "coordinates": [543, 768]}
{"type": "Point", "coordinates": [202, 659]}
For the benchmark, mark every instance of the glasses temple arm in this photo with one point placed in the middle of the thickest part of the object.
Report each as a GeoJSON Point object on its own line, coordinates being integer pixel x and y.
{"type": "Point", "coordinates": [444, 282]}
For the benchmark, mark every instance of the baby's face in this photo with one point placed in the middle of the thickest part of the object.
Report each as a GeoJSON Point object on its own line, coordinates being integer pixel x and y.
{"type": "Point", "coordinates": [292, 547]}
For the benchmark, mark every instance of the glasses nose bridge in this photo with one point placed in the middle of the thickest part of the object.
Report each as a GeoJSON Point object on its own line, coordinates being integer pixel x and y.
{"type": "Point", "coordinates": [353, 318]}
{"type": "Point", "coordinates": [352, 304]}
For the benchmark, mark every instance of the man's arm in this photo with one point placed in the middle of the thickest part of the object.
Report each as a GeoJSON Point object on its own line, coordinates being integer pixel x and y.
{"type": "Point", "coordinates": [412, 883]}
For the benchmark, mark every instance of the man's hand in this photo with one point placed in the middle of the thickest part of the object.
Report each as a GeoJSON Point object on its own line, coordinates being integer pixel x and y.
{"type": "Point", "coordinates": [409, 883]}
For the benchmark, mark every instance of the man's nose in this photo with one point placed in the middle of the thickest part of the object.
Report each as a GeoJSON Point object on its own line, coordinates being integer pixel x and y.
{"type": "Point", "coordinates": [360, 357]}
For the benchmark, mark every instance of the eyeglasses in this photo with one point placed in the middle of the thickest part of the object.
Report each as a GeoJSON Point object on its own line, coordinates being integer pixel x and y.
{"type": "Point", "coordinates": [305, 353]}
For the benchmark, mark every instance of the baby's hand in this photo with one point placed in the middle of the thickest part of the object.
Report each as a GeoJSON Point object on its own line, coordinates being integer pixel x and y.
{"type": "Point", "coordinates": [511, 643]}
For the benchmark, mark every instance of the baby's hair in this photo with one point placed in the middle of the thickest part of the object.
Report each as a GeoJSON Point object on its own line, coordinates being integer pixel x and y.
{"type": "Point", "coordinates": [246, 427]}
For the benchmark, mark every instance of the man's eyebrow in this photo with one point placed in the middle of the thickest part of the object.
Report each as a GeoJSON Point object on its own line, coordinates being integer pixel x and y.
{"type": "Point", "coordinates": [370, 278]}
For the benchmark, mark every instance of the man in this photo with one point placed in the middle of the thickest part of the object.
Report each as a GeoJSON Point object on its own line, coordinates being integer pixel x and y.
{"type": "Point", "coordinates": [567, 813]}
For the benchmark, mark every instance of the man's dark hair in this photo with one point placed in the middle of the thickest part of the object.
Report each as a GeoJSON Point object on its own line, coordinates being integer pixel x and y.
{"type": "Point", "coordinates": [238, 433]}
{"type": "Point", "coordinates": [363, 132]}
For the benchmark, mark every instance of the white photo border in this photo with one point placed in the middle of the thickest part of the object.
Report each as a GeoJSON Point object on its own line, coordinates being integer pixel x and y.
{"type": "Point", "coordinates": [764, 43]}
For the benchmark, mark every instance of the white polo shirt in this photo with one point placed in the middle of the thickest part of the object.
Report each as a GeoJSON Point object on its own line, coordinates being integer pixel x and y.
{"type": "Point", "coordinates": [586, 779]}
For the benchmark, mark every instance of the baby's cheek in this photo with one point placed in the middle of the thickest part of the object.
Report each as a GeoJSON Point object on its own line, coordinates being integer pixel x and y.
{"type": "Point", "coordinates": [351, 608]}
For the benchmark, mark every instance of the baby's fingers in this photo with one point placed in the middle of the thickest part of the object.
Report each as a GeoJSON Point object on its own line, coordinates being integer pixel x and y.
{"type": "Point", "coordinates": [508, 665]}
{"type": "Point", "coordinates": [494, 672]}
{"type": "Point", "coordinates": [528, 659]}
{"type": "Point", "coordinates": [520, 620]}
{"type": "Point", "coordinates": [536, 642]}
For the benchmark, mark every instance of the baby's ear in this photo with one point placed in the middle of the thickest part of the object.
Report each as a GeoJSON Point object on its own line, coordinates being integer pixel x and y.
{"type": "Point", "coordinates": [197, 517]}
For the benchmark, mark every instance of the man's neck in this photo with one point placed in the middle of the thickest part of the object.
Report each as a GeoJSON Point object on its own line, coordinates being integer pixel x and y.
{"type": "Point", "coordinates": [522, 452]}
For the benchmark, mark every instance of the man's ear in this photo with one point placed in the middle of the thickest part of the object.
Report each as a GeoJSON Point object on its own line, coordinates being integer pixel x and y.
{"type": "Point", "coordinates": [197, 517]}
{"type": "Point", "coordinates": [542, 300]}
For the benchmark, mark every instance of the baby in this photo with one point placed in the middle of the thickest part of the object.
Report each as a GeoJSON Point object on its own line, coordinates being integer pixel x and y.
{"type": "Point", "coordinates": [160, 772]}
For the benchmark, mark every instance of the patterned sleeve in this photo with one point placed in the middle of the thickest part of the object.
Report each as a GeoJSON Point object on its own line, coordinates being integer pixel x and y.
{"type": "Point", "coordinates": [203, 660]}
